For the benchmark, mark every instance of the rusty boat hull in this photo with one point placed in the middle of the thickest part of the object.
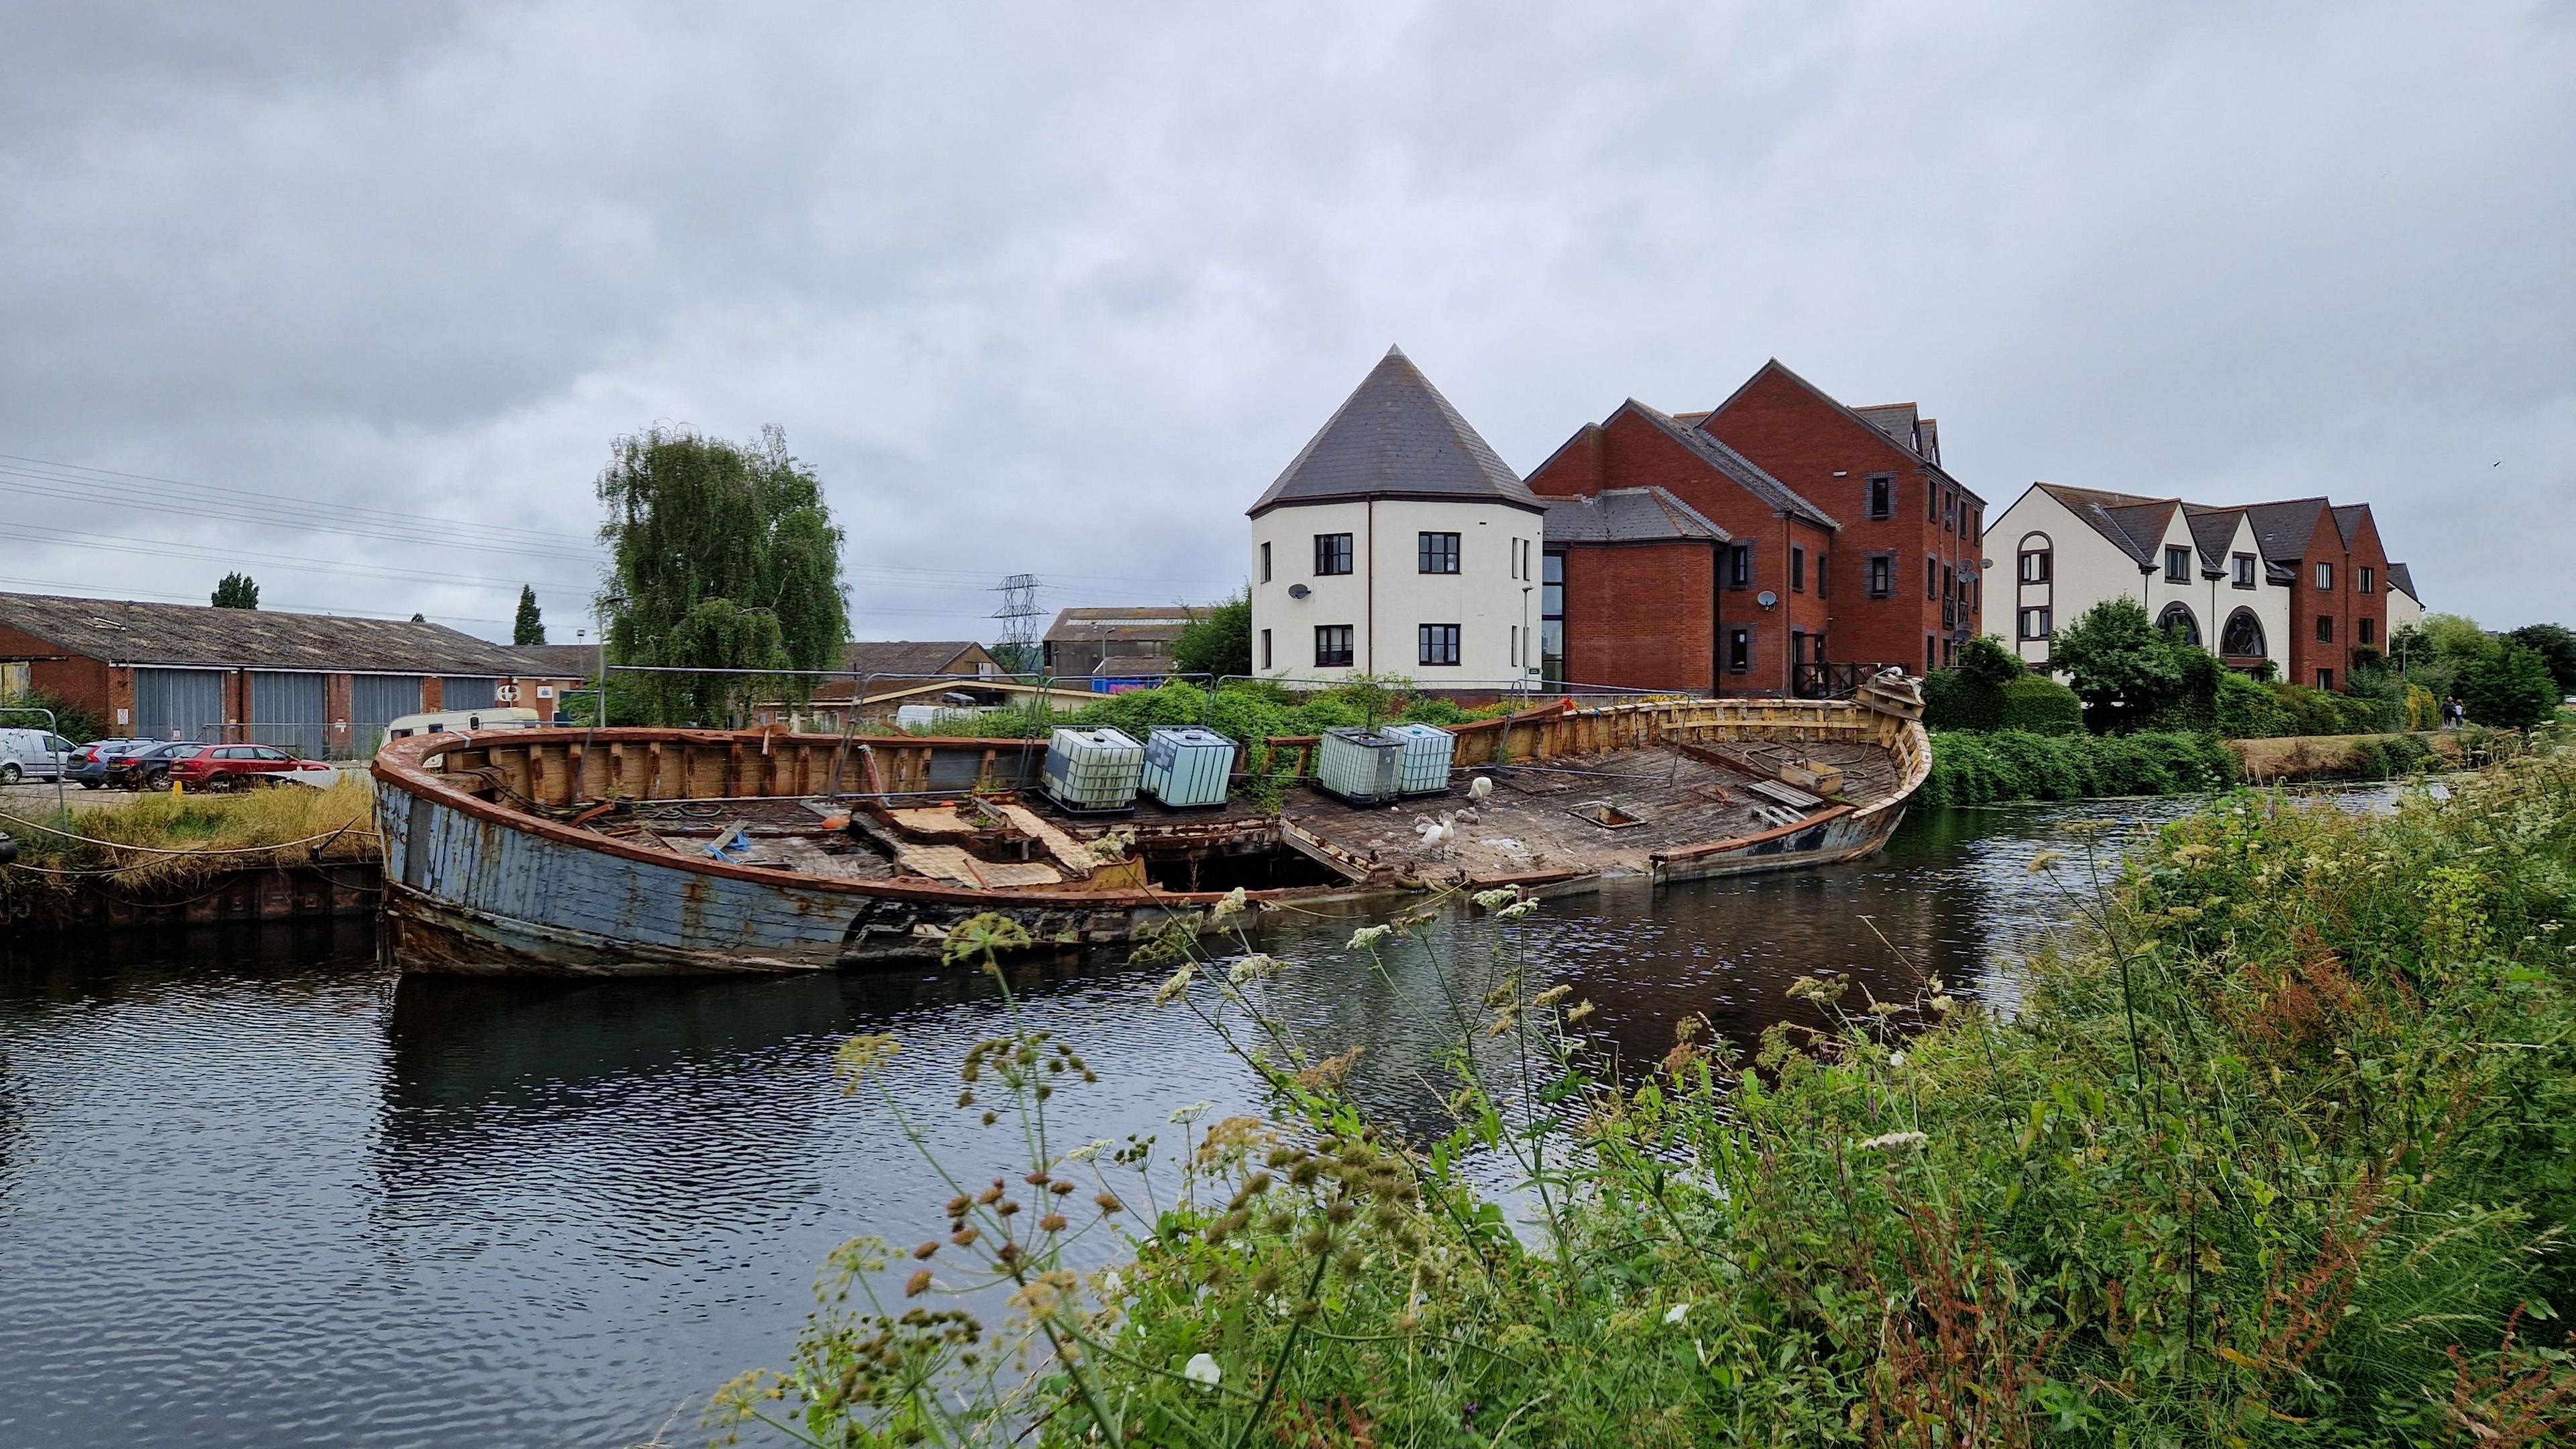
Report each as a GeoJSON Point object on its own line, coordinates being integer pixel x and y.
{"type": "Point", "coordinates": [496, 861]}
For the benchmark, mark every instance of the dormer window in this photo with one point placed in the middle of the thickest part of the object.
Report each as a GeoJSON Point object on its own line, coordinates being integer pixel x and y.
{"type": "Point", "coordinates": [2177, 565]}
{"type": "Point", "coordinates": [2245, 571]}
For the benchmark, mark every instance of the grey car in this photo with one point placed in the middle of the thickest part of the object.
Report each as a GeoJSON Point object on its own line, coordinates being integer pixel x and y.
{"type": "Point", "coordinates": [33, 755]}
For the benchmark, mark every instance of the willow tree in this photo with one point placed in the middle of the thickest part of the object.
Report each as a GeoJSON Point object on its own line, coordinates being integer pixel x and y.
{"type": "Point", "coordinates": [724, 558]}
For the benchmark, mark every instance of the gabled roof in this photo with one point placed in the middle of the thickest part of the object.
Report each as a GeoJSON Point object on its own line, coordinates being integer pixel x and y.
{"type": "Point", "coordinates": [1163, 622]}
{"type": "Point", "coordinates": [2403, 580]}
{"type": "Point", "coordinates": [2214, 529]}
{"type": "Point", "coordinates": [1395, 436]}
{"type": "Point", "coordinates": [1629, 515]}
{"type": "Point", "coordinates": [1734, 465]}
{"type": "Point", "coordinates": [193, 635]}
{"type": "Point", "coordinates": [2283, 529]}
{"type": "Point", "coordinates": [1857, 416]}
{"type": "Point", "coordinates": [2348, 520]}
{"type": "Point", "coordinates": [2133, 524]}
{"type": "Point", "coordinates": [2146, 524]}
{"type": "Point", "coordinates": [911, 656]}
{"type": "Point", "coordinates": [556, 661]}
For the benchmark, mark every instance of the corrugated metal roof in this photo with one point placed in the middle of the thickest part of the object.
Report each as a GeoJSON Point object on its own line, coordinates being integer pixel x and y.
{"type": "Point", "coordinates": [1629, 515]}
{"type": "Point", "coordinates": [1395, 436]}
{"type": "Point", "coordinates": [557, 661]}
{"type": "Point", "coordinates": [125, 632]}
{"type": "Point", "coordinates": [1162, 622]}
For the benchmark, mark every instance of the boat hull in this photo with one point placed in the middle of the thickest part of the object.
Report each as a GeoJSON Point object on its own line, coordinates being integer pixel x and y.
{"type": "Point", "coordinates": [511, 885]}
{"type": "Point", "coordinates": [476, 896]}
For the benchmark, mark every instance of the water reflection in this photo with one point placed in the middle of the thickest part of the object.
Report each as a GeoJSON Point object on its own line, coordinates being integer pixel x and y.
{"type": "Point", "coordinates": [252, 1188]}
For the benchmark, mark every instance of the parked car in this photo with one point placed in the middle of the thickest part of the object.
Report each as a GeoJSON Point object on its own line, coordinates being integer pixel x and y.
{"type": "Point", "coordinates": [89, 767]}
{"type": "Point", "coordinates": [243, 767]}
{"type": "Point", "coordinates": [33, 755]}
{"type": "Point", "coordinates": [150, 769]}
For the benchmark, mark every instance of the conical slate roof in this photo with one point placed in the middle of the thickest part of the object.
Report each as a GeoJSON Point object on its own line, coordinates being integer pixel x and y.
{"type": "Point", "coordinates": [1395, 436]}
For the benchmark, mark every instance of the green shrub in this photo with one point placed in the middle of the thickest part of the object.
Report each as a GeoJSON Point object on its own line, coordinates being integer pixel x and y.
{"type": "Point", "coordinates": [2039, 705]}
{"type": "Point", "coordinates": [1970, 696]}
{"type": "Point", "coordinates": [2006, 765]}
{"type": "Point", "coordinates": [2277, 1150]}
{"type": "Point", "coordinates": [2246, 710]}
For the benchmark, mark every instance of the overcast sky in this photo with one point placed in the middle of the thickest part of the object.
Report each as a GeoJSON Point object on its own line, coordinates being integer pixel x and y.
{"type": "Point", "coordinates": [1060, 288]}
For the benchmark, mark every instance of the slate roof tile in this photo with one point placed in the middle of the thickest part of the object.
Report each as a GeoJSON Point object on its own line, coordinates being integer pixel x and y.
{"type": "Point", "coordinates": [1395, 436]}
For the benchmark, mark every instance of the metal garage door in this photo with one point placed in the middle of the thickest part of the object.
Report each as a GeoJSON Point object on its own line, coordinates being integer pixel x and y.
{"type": "Point", "coordinates": [466, 693]}
{"type": "Point", "coordinates": [179, 704]}
{"type": "Point", "coordinates": [287, 710]}
{"type": "Point", "coordinates": [377, 700]}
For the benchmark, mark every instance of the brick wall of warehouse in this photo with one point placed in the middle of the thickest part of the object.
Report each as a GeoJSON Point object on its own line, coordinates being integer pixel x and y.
{"type": "Point", "coordinates": [79, 680]}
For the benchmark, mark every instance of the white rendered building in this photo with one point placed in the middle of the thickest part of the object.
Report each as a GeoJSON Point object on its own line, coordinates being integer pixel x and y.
{"type": "Point", "coordinates": [1397, 542]}
{"type": "Point", "coordinates": [2059, 551]}
{"type": "Point", "coordinates": [2405, 607]}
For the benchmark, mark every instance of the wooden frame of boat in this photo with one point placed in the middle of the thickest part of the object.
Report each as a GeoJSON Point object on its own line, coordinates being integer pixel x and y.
{"type": "Point", "coordinates": [495, 862]}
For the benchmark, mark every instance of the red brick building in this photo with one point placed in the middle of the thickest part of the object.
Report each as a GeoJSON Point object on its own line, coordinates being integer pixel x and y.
{"type": "Point", "coordinates": [2339, 580]}
{"type": "Point", "coordinates": [1731, 592]}
{"type": "Point", "coordinates": [1639, 568]}
{"type": "Point", "coordinates": [1909, 576]}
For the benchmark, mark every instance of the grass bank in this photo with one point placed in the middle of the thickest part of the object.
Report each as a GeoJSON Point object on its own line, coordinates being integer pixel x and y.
{"type": "Point", "coordinates": [2355, 757]}
{"type": "Point", "coordinates": [157, 841]}
{"type": "Point", "coordinates": [2280, 1150]}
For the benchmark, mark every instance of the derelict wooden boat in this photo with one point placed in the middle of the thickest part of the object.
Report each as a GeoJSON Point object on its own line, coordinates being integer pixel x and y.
{"type": "Point", "coordinates": [651, 851]}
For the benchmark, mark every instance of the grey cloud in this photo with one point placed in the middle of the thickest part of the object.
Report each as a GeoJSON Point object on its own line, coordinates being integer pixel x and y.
{"type": "Point", "coordinates": [1060, 289]}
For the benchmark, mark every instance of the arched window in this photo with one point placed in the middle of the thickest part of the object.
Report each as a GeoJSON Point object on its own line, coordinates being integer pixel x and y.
{"type": "Point", "coordinates": [2179, 616]}
{"type": "Point", "coordinates": [2243, 637]}
{"type": "Point", "coordinates": [2036, 557]}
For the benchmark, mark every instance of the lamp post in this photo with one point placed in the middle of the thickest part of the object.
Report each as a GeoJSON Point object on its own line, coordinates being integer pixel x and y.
{"type": "Point", "coordinates": [599, 694]}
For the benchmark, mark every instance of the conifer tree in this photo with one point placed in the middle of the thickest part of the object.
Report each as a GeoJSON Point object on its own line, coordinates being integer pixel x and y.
{"type": "Point", "coordinates": [530, 627]}
{"type": "Point", "coordinates": [236, 592]}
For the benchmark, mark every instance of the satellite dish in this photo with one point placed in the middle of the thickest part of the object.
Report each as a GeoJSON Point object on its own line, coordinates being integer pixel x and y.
{"type": "Point", "coordinates": [1767, 599]}
{"type": "Point", "coordinates": [1298, 591]}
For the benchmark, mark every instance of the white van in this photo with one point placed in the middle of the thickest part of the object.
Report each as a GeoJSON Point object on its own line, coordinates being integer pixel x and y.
{"type": "Point", "coordinates": [503, 718]}
{"type": "Point", "coordinates": [33, 755]}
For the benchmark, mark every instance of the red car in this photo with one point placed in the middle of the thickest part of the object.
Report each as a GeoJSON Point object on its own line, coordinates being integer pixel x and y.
{"type": "Point", "coordinates": [241, 767]}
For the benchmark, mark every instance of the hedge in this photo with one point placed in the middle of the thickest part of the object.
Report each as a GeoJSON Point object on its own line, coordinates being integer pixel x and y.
{"type": "Point", "coordinates": [1987, 768]}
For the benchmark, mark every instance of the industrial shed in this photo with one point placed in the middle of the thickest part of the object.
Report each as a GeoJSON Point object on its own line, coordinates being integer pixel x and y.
{"type": "Point", "coordinates": [322, 685]}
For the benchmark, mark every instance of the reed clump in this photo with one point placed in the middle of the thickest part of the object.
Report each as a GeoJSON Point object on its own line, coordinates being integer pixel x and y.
{"type": "Point", "coordinates": [2280, 1149]}
{"type": "Point", "coordinates": [180, 839]}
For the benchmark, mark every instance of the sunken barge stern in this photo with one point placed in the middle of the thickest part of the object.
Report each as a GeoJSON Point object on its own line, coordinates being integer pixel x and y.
{"type": "Point", "coordinates": [616, 852]}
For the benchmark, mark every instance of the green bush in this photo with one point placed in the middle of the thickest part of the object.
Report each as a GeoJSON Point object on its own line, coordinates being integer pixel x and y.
{"type": "Point", "coordinates": [2246, 710]}
{"type": "Point", "coordinates": [2036, 704]}
{"type": "Point", "coordinates": [2006, 765]}
{"type": "Point", "coordinates": [2277, 1150]}
{"type": "Point", "coordinates": [70, 720]}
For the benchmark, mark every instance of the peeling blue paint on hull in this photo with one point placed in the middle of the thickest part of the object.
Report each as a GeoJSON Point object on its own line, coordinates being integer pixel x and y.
{"type": "Point", "coordinates": [476, 896]}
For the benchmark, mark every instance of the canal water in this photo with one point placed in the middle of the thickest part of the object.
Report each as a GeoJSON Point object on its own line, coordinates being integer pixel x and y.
{"type": "Point", "coordinates": [257, 1190]}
